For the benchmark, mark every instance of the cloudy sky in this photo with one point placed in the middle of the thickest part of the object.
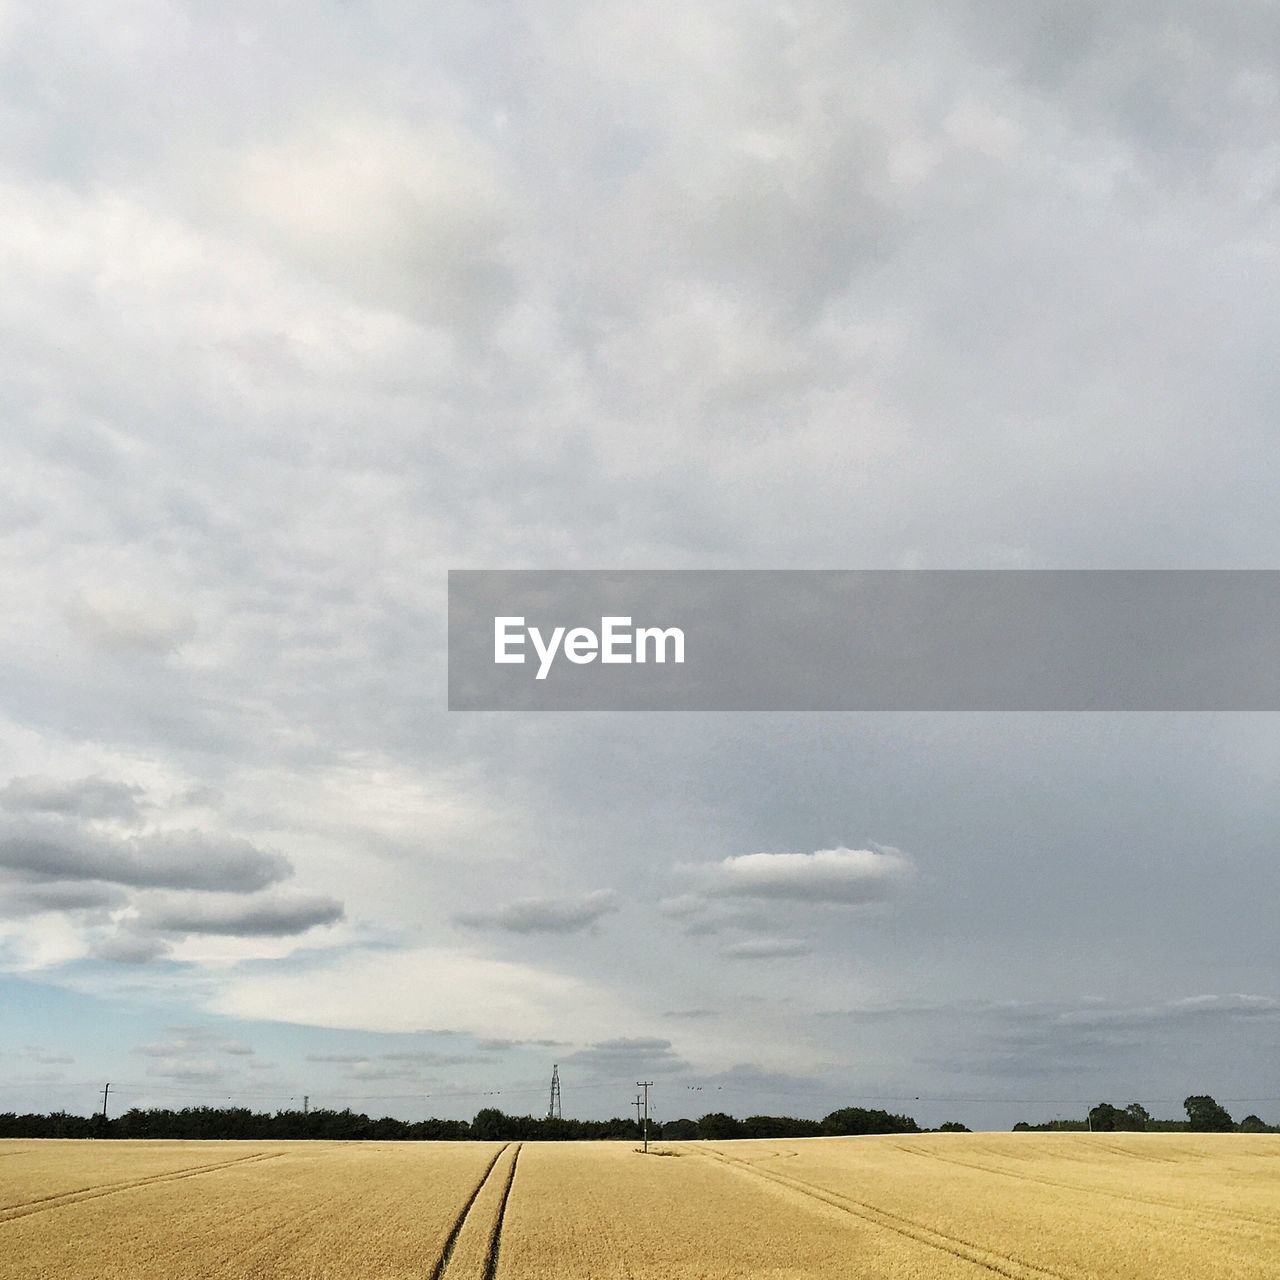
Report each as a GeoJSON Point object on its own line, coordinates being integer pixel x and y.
{"type": "Point", "coordinates": [304, 306]}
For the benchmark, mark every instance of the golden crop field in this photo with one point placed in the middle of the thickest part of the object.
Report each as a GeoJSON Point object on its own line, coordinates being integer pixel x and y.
{"type": "Point", "coordinates": [925, 1207]}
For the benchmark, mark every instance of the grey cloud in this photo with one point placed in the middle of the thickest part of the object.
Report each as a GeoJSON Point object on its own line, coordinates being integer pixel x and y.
{"type": "Point", "coordinates": [263, 915]}
{"type": "Point", "coordinates": [765, 949]}
{"type": "Point", "coordinates": [544, 915]}
{"type": "Point", "coordinates": [750, 1077]}
{"type": "Point", "coordinates": [201, 796]}
{"type": "Point", "coordinates": [194, 1069]}
{"type": "Point", "coordinates": [502, 1046]}
{"type": "Point", "coordinates": [125, 947]}
{"type": "Point", "coordinates": [700, 915]}
{"type": "Point", "coordinates": [60, 895]}
{"type": "Point", "coordinates": [93, 797]}
{"type": "Point", "coordinates": [372, 1071]}
{"type": "Point", "coordinates": [1162, 78]}
{"type": "Point", "coordinates": [194, 1040]}
{"type": "Point", "coordinates": [405, 1066]}
{"type": "Point", "coordinates": [683, 906]}
{"type": "Point", "coordinates": [1186, 1009]}
{"type": "Point", "coordinates": [790, 219]}
{"type": "Point", "coordinates": [890, 1012]}
{"type": "Point", "coordinates": [337, 1058]}
{"type": "Point", "coordinates": [427, 1058]}
{"type": "Point", "coordinates": [1076, 1017]}
{"type": "Point", "coordinates": [47, 1059]}
{"type": "Point", "coordinates": [626, 1056]}
{"type": "Point", "coordinates": [163, 860]}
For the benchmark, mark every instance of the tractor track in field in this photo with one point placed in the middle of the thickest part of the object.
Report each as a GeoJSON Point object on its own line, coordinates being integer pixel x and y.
{"type": "Point", "coordinates": [1006, 1265]}
{"type": "Point", "coordinates": [64, 1199]}
{"type": "Point", "coordinates": [1135, 1155]}
{"type": "Point", "coordinates": [495, 1234]}
{"type": "Point", "coordinates": [1158, 1202]}
{"type": "Point", "coordinates": [490, 1266]}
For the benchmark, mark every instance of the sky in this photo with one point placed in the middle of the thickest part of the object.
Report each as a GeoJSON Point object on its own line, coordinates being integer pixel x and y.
{"type": "Point", "coordinates": [306, 305]}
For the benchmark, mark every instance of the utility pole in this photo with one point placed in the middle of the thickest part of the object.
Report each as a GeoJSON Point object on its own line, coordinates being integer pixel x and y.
{"type": "Point", "coordinates": [306, 1103]}
{"type": "Point", "coordinates": [106, 1089]}
{"type": "Point", "coordinates": [646, 1085]}
{"type": "Point", "coordinates": [637, 1107]}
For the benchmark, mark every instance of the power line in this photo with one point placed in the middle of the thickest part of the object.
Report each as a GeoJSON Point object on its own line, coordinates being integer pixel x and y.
{"type": "Point", "coordinates": [127, 1088]}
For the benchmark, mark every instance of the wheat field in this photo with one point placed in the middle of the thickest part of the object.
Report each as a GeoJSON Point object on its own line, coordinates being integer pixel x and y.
{"type": "Point", "coordinates": [923, 1207]}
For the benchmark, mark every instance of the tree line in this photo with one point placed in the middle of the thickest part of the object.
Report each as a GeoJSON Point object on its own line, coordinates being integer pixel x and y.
{"type": "Point", "coordinates": [1204, 1115]}
{"type": "Point", "coordinates": [489, 1124]}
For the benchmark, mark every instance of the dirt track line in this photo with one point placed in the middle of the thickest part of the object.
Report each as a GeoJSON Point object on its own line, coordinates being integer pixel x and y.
{"type": "Point", "coordinates": [43, 1204]}
{"type": "Point", "coordinates": [495, 1235]}
{"type": "Point", "coordinates": [979, 1255]}
{"type": "Point", "coordinates": [1136, 1155]}
{"type": "Point", "coordinates": [1236, 1215]}
{"type": "Point", "coordinates": [446, 1250]}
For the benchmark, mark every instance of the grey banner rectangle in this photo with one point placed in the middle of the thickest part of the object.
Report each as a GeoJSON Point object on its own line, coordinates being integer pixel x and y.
{"type": "Point", "coordinates": [867, 640]}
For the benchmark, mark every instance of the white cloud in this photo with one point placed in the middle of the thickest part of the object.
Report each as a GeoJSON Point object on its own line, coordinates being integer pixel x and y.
{"type": "Point", "coordinates": [847, 877]}
{"type": "Point", "coordinates": [421, 989]}
{"type": "Point", "coordinates": [406, 218]}
{"type": "Point", "coordinates": [129, 621]}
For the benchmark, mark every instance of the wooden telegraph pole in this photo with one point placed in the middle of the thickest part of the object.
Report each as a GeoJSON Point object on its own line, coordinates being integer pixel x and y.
{"type": "Point", "coordinates": [645, 1085]}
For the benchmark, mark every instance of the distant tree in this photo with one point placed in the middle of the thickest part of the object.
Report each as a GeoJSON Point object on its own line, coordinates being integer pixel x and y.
{"type": "Point", "coordinates": [489, 1125]}
{"type": "Point", "coordinates": [953, 1126]}
{"type": "Point", "coordinates": [1204, 1115]}
{"type": "Point", "coordinates": [680, 1130]}
{"type": "Point", "coordinates": [717, 1126]}
{"type": "Point", "coordinates": [1104, 1118]}
{"type": "Point", "coordinates": [778, 1127]}
{"type": "Point", "coordinates": [856, 1120]}
{"type": "Point", "coordinates": [1139, 1116]}
{"type": "Point", "coordinates": [1255, 1124]}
